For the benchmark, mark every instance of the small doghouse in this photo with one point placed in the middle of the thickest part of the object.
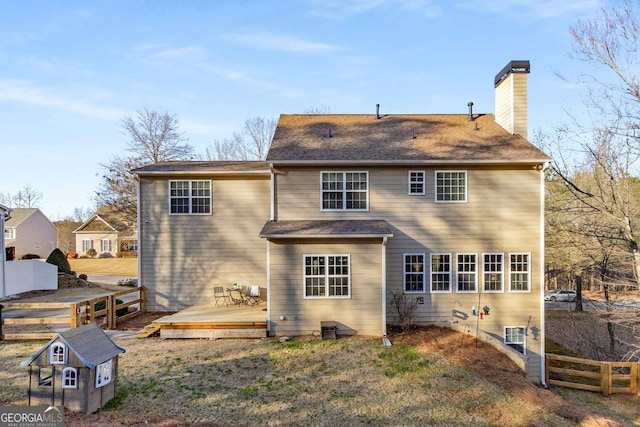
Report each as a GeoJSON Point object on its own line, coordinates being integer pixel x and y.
{"type": "Point", "coordinates": [77, 369]}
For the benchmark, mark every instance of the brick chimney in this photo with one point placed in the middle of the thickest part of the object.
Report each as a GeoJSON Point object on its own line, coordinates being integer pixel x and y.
{"type": "Point", "coordinates": [511, 97]}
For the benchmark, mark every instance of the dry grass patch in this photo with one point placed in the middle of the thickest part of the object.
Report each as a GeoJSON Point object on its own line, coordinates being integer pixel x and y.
{"type": "Point", "coordinates": [428, 377]}
{"type": "Point", "coordinates": [127, 267]}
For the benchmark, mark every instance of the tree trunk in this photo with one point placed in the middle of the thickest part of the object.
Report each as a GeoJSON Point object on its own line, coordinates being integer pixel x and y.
{"type": "Point", "coordinates": [578, 281]}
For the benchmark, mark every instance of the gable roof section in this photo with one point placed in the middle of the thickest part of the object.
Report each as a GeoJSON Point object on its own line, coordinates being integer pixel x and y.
{"type": "Point", "coordinates": [407, 138]}
{"type": "Point", "coordinates": [326, 229]}
{"type": "Point", "coordinates": [206, 168]}
{"type": "Point", "coordinates": [105, 219]}
{"type": "Point", "coordinates": [88, 342]}
{"type": "Point", "coordinates": [19, 215]}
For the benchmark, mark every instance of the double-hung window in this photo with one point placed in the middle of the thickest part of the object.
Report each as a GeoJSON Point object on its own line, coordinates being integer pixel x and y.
{"type": "Point", "coordinates": [344, 191]}
{"type": "Point", "coordinates": [493, 272]}
{"type": "Point", "coordinates": [451, 186]}
{"type": "Point", "coordinates": [106, 245]}
{"type": "Point", "coordinates": [86, 245]}
{"type": "Point", "coordinates": [515, 337]}
{"type": "Point", "coordinates": [519, 272]}
{"type": "Point", "coordinates": [9, 233]}
{"type": "Point", "coordinates": [467, 268]}
{"type": "Point", "coordinates": [416, 183]}
{"type": "Point", "coordinates": [440, 273]}
{"type": "Point", "coordinates": [190, 197]}
{"type": "Point", "coordinates": [414, 273]}
{"type": "Point", "coordinates": [327, 276]}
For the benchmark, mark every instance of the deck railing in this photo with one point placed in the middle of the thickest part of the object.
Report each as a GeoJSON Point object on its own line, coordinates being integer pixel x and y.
{"type": "Point", "coordinates": [79, 313]}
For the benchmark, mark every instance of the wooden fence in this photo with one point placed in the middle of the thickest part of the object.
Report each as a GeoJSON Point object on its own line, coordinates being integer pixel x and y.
{"type": "Point", "coordinates": [79, 313]}
{"type": "Point", "coordinates": [592, 375]}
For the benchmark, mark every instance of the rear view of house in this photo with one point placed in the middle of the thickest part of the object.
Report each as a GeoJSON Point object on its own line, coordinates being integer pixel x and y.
{"type": "Point", "coordinates": [352, 216]}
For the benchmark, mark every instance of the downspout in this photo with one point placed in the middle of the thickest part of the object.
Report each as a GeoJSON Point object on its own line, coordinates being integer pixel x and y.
{"type": "Point", "coordinates": [384, 286]}
{"type": "Point", "coordinates": [268, 266]}
{"type": "Point", "coordinates": [5, 215]}
{"type": "Point", "coordinates": [542, 310]}
{"type": "Point", "coordinates": [139, 236]}
{"type": "Point", "coordinates": [273, 192]}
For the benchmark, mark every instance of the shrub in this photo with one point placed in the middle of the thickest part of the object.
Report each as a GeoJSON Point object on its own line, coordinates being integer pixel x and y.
{"type": "Point", "coordinates": [82, 276]}
{"type": "Point", "coordinates": [92, 252]}
{"type": "Point", "coordinates": [72, 255]}
{"type": "Point", "coordinates": [30, 256]}
{"type": "Point", "coordinates": [56, 257]}
{"type": "Point", "coordinates": [127, 254]}
{"type": "Point", "coordinates": [105, 255]}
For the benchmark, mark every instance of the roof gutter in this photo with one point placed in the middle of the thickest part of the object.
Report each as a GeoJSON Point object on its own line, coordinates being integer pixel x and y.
{"type": "Point", "coordinates": [264, 172]}
{"type": "Point", "coordinates": [325, 236]}
{"type": "Point", "coordinates": [436, 162]}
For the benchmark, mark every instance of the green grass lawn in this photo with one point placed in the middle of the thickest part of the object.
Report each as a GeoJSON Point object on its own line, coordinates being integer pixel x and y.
{"type": "Point", "coordinates": [105, 266]}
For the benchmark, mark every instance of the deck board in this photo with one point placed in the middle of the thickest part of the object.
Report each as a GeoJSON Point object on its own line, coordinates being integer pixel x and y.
{"type": "Point", "coordinates": [209, 321]}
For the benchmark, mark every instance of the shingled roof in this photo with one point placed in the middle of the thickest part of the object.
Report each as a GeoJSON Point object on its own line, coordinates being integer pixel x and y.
{"type": "Point", "coordinates": [207, 167]}
{"type": "Point", "coordinates": [327, 228]}
{"type": "Point", "coordinates": [407, 138]}
{"type": "Point", "coordinates": [88, 342]}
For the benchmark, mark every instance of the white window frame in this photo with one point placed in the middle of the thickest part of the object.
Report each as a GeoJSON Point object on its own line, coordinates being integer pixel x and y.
{"type": "Point", "coordinates": [86, 244]}
{"type": "Point", "coordinates": [105, 245]}
{"type": "Point", "coordinates": [10, 233]}
{"type": "Point", "coordinates": [527, 273]}
{"type": "Point", "coordinates": [55, 357]}
{"type": "Point", "coordinates": [326, 276]}
{"type": "Point", "coordinates": [448, 273]}
{"type": "Point", "coordinates": [421, 272]}
{"type": "Point", "coordinates": [416, 181]}
{"type": "Point", "coordinates": [191, 196]}
{"type": "Point", "coordinates": [104, 373]}
{"type": "Point", "coordinates": [344, 191]}
{"type": "Point", "coordinates": [513, 344]}
{"type": "Point", "coordinates": [491, 271]}
{"type": "Point", "coordinates": [449, 187]}
{"type": "Point", "coordinates": [69, 378]}
{"type": "Point", "coordinates": [472, 274]}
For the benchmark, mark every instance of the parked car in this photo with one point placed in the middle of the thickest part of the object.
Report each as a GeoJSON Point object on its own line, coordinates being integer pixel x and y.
{"type": "Point", "coordinates": [560, 295]}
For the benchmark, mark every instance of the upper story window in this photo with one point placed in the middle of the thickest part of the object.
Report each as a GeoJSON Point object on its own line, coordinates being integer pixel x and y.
{"type": "Point", "coordinates": [414, 272]}
{"type": "Point", "coordinates": [9, 233]}
{"type": "Point", "coordinates": [451, 186]}
{"type": "Point", "coordinates": [440, 273]}
{"type": "Point", "coordinates": [190, 197]}
{"type": "Point", "coordinates": [493, 272]}
{"type": "Point", "coordinates": [416, 183]}
{"type": "Point", "coordinates": [58, 354]}
{"type": "Point", "coordinates": [326, 276]}
{"type": "Point", "coordinates": [343, 191]}
{"type": "Point", "coordinates": [519, 272]}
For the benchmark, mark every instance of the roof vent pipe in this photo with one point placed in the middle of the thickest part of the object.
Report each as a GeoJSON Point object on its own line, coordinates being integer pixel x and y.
{"type": "Point", "coordinates": [470, 116]}
{"type": "Point", "coordinates": [377, 111]}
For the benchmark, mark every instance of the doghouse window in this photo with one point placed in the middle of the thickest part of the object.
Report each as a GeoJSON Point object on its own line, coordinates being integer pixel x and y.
{"type": "Point", "coordinates": [103, 374]}
{"type": "Point", "coordinates": [58, 354]}
{"type": "Point", "coordinates": [44, 376]}
{"type": "Point", "coordinates": [69, 378]}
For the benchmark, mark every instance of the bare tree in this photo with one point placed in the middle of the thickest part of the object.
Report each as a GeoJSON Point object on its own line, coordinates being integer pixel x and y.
{"type": "Point", "coordinates": [154, 137]}
{"type": "Point", "coordinates": [26, 197]}
{"type": "Point", "coordinates": [252, 144]}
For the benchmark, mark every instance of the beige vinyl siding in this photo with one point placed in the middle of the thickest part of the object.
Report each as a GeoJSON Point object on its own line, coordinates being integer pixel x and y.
{"type": "Point", "coordinates": [511, 104]}
{"type": "Point", "coordinates": [183, 256]}
{"type": "Point", "coordinates": [501, 215]}
{"type": "Point", "coordinates": [360, 314]}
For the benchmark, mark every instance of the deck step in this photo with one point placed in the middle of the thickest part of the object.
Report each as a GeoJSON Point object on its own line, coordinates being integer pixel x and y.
{"type": "Point", "coordinates": [149, 330]}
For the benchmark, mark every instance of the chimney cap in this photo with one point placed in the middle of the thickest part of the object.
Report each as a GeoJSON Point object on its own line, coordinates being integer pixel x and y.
{"type": "Point", "coordinates": [523, 66]}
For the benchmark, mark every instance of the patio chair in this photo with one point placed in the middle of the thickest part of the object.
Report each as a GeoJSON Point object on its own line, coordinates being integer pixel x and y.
{"type": "Point", "coordinates": [236, 297]}
{"type": "Point", "coordinates": [220, 294]}
{"type": "Point", "coordinates": [253, 297]}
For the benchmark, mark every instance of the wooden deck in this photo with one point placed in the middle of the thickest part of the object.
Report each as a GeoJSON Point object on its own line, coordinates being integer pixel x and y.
{"type": "Point", "coordinates": [209, 321]}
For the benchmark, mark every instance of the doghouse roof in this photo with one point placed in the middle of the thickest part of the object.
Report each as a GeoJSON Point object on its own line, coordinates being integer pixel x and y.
{"type": "Point", "coordinates": [88, 342]}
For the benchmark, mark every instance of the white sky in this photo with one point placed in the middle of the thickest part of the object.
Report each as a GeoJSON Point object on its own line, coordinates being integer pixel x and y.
{"type": "Point", "coordinates": [70, 70]}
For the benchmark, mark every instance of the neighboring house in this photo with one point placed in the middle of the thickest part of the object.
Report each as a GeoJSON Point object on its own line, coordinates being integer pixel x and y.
{"type": "Point", "coordinates": [77, 369]}
{"type": "Point", "coordinates": [354, 215]}
{"type": "Point", "coordinates": [29, 232]}
{"type": "Point", "coordinates": [106, 232]}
